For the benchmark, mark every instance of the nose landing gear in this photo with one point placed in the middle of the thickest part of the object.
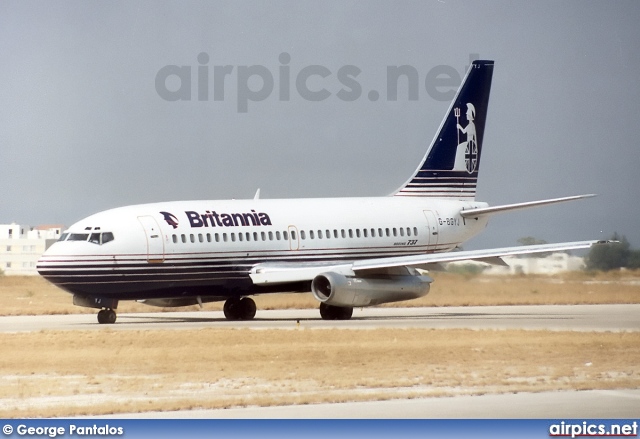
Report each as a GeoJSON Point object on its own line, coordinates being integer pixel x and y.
{"type": "Point", "coordinates": [107, 316]}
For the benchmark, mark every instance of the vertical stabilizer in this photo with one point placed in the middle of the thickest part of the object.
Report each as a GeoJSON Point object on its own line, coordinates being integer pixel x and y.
{"type": "Point", "coordinates": [450, 167]}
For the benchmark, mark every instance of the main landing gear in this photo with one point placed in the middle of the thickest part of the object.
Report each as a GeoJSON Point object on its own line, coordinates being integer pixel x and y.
{"type": "Point", "coordinates": [239, 308]}
{"type": "Point", "coordinates": [330, 312]}
{"type": "Point", "coordinates": [107, 316]}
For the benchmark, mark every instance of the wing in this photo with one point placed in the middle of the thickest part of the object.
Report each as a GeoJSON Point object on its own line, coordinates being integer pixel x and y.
{"type": "Point", "coordinates": [275, 273]}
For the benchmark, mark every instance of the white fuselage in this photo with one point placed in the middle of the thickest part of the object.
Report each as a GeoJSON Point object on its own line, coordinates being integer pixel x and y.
{"type": "Point", "coordinates": [209, 247]}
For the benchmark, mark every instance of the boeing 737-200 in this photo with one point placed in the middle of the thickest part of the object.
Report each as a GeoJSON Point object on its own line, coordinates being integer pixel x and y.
{"type": "Point", "coordinates": [348, 252]}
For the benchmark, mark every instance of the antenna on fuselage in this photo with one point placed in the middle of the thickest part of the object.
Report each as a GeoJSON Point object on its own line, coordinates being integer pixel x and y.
{"type": "Point", "coordinates": [257, 195]}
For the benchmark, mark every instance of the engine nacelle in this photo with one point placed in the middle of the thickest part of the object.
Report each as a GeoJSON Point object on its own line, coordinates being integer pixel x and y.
{"type": "Point", "coordinates": [339, 290]}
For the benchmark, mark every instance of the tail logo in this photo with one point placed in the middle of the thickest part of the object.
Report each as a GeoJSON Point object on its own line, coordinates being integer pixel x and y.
{"type": "Point", "coordinates": [467, 151]}
{"type": "Point", "coordinates": [170, 219]}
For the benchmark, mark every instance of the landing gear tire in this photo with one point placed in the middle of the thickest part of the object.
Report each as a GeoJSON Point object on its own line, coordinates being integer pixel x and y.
{"type": "Point", "coordinates": [330, 312]}
{"type": "Point", "coordinates": [249, 308]}
{"type": "Point", "coordinates": [240, 309]}
{"type": "Point", "coordinates": [107, 316]}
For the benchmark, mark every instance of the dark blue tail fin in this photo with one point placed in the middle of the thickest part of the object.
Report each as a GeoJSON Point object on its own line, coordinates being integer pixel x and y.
{"type": "Point", "coordinates": [450, 167]}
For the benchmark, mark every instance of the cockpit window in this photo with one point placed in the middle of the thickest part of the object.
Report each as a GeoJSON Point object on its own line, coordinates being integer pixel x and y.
{"type": "Point", "coordinates": [107, 237]}
{"type": "Point", "coordinates": [94, 238]}
{"type": "Point", "coordinates": [78, 237]}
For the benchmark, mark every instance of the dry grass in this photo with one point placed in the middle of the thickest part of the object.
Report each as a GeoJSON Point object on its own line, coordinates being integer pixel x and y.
{"type": "Point", "coordinates": [106, 371]}
{"type": "Point", "coordinates": [32, 295]}
{"type": "Point", "coordinates": [567, 289]}
{"type": "Point", "coordinates": [103, 371]}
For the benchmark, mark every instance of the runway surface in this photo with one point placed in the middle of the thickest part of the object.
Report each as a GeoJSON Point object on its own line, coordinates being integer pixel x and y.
{"type": "Point", "coordinates": [544, 405]}
{"type": "Point", "coordinates": [549, 317]}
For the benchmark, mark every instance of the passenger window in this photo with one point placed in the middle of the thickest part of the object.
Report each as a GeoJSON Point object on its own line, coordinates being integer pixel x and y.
{"type": "Point", "coordinates": [408, 231]}
{"type": "Point", "coordinates": [239, 237]}
{"type": "Point", "coordinates": [401, 231]}
{"type": "Point", "coordinates": [208, 237]}
{"type": "Point", "coordinates": [395, 232]}
{"type": "Point", "coordinates": [387, 231]}
{"type": "Point", "coordinates": [175, 239]}
{"type": "Point", "coordinates": [350, 233]}
{"type": "Point", "coordinates": [270, 236]}
{"type": "Point", "coordinates": [373, 233]}
{"type": "Point", "coordinates": [263, 236]}
{"type": "Point", "coordinates": [319, 234]}
{"type": "Point", "coordinates": [278, 235]}
{"type": "Point", "coordinates": [255, 236]}
{"type": "Point", "coordinates": [285, 236]}
{"type": "Point", "coordinates": [293, 235]}
{"type": "Point", "coordinates": [184, 238]}
{"type": "Point", "coordinates": [233, 237]}
{"type": "Point", "coordinates": [108, 237]}
{"type": "Point", "coordinates": [357, 233]}
{"type": "Point", "coordinates": [342, 233]}
{"type": "Point", "coordinates": [380, 234]}
{"type": "Point", "coordinates": [328, 235]}
{"type": "Point", "coordinates": [415, 231]}
{"type": "Point", "coordinates": [217, 237]}
{"type": "Point", "coordinates": [200, 238]}
{"type": "Point", "coordinates": [224, 237]}
{"type": "Point", "coordinates": [302, 235]}
{"type": "Point", "coordinates": [193, 238]}
{"type": "Point", "coordinates": [335, 233]}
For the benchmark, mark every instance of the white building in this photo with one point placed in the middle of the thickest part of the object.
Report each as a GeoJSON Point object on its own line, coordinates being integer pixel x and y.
{"type": "Point", "coordinates": [552, 264]}
{"type": "Point", "coordinates": [21, 246]}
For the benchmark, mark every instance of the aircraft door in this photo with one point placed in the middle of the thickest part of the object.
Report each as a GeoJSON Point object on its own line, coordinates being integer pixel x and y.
{"type": "Point", "coordinates": [294, 238]}
{"type": "Point", "coordinates": [432, 227]}
{"type": "Point", "coordinates": [155, 243]}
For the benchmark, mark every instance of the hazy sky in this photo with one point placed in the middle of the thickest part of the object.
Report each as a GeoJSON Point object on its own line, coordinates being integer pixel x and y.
{"type": "Point", "coordinates": [83, 127]}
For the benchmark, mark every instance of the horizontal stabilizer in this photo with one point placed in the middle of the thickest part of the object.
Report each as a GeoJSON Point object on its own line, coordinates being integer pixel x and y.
{"type": "Point", "coordinates": [474, 213]}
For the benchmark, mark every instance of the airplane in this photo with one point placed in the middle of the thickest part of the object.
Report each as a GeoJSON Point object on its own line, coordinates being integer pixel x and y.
{"type": "Point", "coordinates": [348, 252]}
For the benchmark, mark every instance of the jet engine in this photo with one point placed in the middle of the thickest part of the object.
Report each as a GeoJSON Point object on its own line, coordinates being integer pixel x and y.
{"type": "Point", "coordinates": [338, 290]}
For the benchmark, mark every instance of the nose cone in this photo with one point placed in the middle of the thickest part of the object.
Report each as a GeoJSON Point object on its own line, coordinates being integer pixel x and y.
{"type": "Point", "coordinates": [60, 268]}
{"type": "Point", "coordinates": [39, 264]}
{"type": "Point", "coordinates": [45, 263]}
